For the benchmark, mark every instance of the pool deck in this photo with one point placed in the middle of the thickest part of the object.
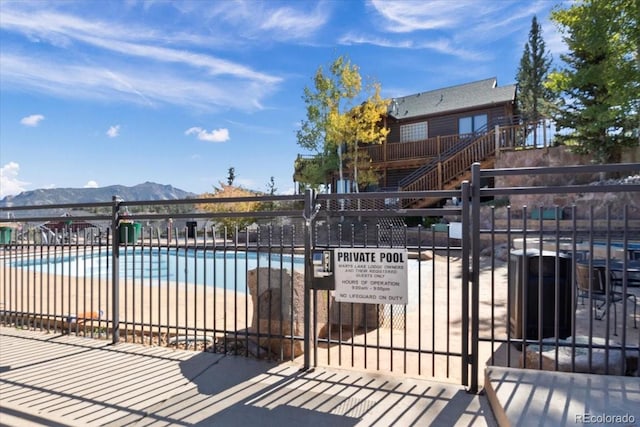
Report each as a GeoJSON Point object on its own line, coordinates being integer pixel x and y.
{"type": "Point", "coordinates": [60, 380]}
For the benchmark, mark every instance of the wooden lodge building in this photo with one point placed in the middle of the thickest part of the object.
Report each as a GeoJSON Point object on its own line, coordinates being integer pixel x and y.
{"type": "Point", "coordinates": [435, 136]}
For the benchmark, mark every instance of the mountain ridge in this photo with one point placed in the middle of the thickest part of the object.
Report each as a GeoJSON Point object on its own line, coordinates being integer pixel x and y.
{"type": "Point", "coordinates": [140, 192]}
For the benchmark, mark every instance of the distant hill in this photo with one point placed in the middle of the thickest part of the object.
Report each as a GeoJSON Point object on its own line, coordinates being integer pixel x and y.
{"type": "Point", "coordinates": [146, 191]}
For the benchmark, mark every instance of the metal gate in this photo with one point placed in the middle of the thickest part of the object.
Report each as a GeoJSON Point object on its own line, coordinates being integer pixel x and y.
{"type": "Point", "coordinates": [429, 335]}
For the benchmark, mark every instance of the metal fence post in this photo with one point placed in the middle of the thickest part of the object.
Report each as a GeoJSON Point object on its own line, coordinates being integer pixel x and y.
{"type": "Point", "coordinates": [466, 229]}
{"type": "Point", "coordinates": [308, 215]}
{"type": "Point", "coordinates": [115, 269]}
{"type": "Point", "coordinates": [475, 273]}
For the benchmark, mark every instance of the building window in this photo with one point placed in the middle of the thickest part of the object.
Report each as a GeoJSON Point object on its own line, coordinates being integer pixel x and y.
{"type": "Point", "coordinates": [414, 132]}
{"type": "Point", "coordinates": [477, 123]}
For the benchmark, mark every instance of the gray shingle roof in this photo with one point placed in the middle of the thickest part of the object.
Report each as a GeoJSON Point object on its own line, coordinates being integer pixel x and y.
{"type": "Point", "coordinates": [461, 97]}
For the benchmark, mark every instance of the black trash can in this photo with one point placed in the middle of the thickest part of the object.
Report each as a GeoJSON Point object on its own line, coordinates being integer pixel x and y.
{"type": "Point", "coordinates": [527, 272]}
{"type": "Point", "coordinates": [191, 229]}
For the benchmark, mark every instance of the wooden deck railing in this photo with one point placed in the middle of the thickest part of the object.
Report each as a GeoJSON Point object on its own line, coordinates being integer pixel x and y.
{"type": "Point", "coordinates": [431, 147]}
{"type": "Point", "coordinates": [511, 136]}
{"type": "Point", "coordinates": [438, 173]}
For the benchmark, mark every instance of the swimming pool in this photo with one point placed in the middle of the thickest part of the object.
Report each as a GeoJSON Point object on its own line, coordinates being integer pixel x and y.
{"type": "Point", "coordinates": [157, 266]}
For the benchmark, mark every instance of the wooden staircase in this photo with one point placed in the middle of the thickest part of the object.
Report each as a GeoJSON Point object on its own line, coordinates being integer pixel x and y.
{"type": "Point", "coordinates": [451, 168]}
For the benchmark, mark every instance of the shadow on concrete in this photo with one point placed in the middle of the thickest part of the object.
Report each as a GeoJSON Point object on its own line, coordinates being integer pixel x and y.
{"type": "Point", "coordinates": [240, 391]}
{"type": "Point", "coordinates": [76, 381]}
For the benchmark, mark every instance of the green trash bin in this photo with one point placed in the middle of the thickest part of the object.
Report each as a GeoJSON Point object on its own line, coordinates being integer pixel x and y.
{"type": "Point", "coordinates": [130, 232]}
{"type": "Point", "coordinates": [5, 235]}
{"type": "Point", "coordinates": [440, 228]}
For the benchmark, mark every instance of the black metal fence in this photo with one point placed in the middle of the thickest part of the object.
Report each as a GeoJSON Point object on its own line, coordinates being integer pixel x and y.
{"type": "Point", "coordinates": [559, 284]}
{"type": "Point", "coordinates": [495, 270]}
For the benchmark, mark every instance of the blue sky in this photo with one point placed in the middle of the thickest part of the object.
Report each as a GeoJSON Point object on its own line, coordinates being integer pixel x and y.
{"type": "Point", "coordinates": [97, 93]}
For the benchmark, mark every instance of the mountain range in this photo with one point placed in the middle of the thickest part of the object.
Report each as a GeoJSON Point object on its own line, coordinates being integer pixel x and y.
{"type": "Point", "coordinates": [140, 192]}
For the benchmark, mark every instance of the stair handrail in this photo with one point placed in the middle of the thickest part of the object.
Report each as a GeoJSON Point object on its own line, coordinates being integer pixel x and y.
{"type": "Point", "coordinates": [464, 142]}
{"type": "Point", "coordinates": [483, 146]}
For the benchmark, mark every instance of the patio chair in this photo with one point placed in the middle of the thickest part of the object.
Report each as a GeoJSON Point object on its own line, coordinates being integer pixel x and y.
{"type": "Point", "coordinates": [594, 279]}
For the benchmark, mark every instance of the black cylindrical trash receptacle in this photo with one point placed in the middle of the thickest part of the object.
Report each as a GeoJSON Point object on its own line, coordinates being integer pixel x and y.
{"type": "Point", "coordinates": [191, 229]}
{"type": "Point", "coordinates": [527, 272]}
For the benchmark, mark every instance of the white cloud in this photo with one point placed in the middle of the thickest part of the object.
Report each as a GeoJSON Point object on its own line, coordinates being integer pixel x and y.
{"type": "Point", "coordinates": [91, 184]}
{"type": "Point", "coordinates": [216, 135]}
{"type": "Point", "coordinates": [294, 23]}
{"type": "Point", "coordinates": [440, 45]}
{"type": "Point", "coordinates": [32, 120]}
{"type": "Point", "coordinates": [268, 20]}
{"type": "Point", "coordinates": [470, 22]}
{"type": "Point", "coordinates": [113, 131]}
{"type": "Point", "coordinates": [197, 79]}
{"type": "Point", "coordinates": [406, 16]}
{"type": "Point", "coordinates": [10, 185]}
{"type": "Point", "coordinates": [130, 83]}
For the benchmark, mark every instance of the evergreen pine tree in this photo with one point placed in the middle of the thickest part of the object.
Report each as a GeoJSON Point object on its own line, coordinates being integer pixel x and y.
{"type": "Point", "coordinates": [533, 97]}
{"type": "Point", "coordinates": [599, 89]}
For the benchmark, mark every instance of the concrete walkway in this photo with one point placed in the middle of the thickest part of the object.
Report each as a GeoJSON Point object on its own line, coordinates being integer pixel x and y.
{"type": "Point", "coordinates": [55, 380]}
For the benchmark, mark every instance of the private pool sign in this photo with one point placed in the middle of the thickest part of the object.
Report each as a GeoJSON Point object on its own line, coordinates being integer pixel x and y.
{"type": "Point", "coordinates": [371, 275]}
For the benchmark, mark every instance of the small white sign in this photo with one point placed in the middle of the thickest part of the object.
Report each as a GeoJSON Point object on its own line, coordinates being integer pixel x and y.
{"type": "Point", "coordinates": [455, 230]}
{"type": "Point", "coordinates": [371, 275]}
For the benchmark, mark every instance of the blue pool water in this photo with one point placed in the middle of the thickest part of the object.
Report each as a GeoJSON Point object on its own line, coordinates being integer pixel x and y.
{"type": "Point", "coordinates": [634, 246]}
{"type": "Point", "coordinates": [161, 265]}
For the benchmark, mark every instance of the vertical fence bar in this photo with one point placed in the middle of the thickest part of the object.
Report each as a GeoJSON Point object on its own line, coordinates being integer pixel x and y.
{"type": "Point", "coordinates": [624, 284]}
{"type": "Point", "coordinates": [167, 285]}
{"type": "Point", "coordinates": [574, 285]}
{"type": "Point", "coordinates": [509, 290]}
{"type": "Point", "coordinates": [522, 302]}
{"type": "Point", "coordinates": [539, 296]}
{"type": "Point", "coordinates": [104, 295]}
{"type": "Point", "coordinates": [235, 284]}
{"type": "Point", "coordinates": [176, 320]}
{"type": "Point", "coordinates": [493, 283]}
{"type": "Point", "coordinates": [115, 270]}
{"type": "Point", "coordinates": [55, 287]}
{"type": "Point", "coordinates": [41, 299]}
{"type": "Point", "coordinates": [186, 288]}
{"type": "Point", "coordinates": [556, 311]}
{"type": "Point", "coordinates": [433, 303]}
{"type": "Point", "coordinates": [76, 253]}
{"type": "Point", "coordinates": [475, 274]}
{"type": "Point", "coordinates": [246, 290]}
{"type": "Point", "coordinates": [159, 285]}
